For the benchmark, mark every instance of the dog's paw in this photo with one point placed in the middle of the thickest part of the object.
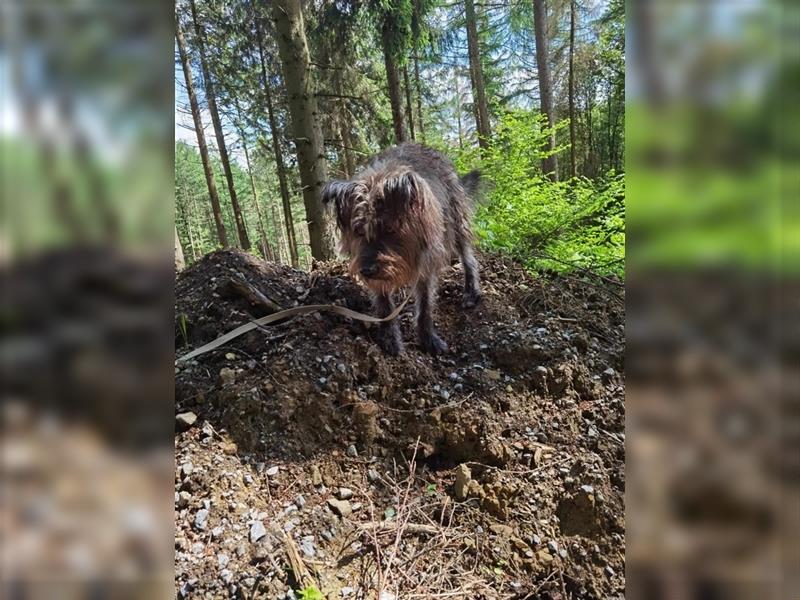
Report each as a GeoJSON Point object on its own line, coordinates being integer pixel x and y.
{"type": "Point", "coordinates": [433, 344]}
{"type": "Point", "coordinates": [471, 299]}
{"type": "Point", "coordinates": [391, 343]}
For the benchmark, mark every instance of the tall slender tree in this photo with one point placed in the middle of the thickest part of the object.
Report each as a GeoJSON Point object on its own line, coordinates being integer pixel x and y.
{"type": "Point", "coordinates": [549, 163]}
{"type": "Point", "coordinates": [409, 112]}
{"type": "Point", "coordinates": [211, 98]}
{"type": "Point", "coordinates": [293, 49]}
{"type": "Point", "coordinates": [571, 92]}
{"type": "Point", "coordinates": [222, 235]}
{"type": "Point", "coordinates": [476, 74]}
{"type": "Point", "coordinates": [393, 85]}
{"type": "Point", "coordinates": [280, 164]}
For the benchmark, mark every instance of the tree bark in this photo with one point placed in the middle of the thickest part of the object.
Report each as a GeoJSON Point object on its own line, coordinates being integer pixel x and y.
{"type": "Point", "coordinates": [409, 112]}
{"type": "Point", "coordinates": [262, 230]}
{"type": "Point", "coordinates": [220, 134]}
{"type": "Point", "coordinates": [222, 235]}
{"type": "Point", "coordinates": [572, 136]}
{"type": "Point", "coordinates": [395, 95]}
{"type": "Point", "coordinates": [293, 49]}
{"type": "Point", "coordinates": [180, 262]}
{"type": "Point", "coordinates": [549, 164]}
{"type": "Point", "coordinates": [280, 166]}
{"type": "Point", "coordinates": [458, 111]}
{"type": "Point", "coordinates": [478, 82]}
{"type": "Point", "coordinates": [419, 95]}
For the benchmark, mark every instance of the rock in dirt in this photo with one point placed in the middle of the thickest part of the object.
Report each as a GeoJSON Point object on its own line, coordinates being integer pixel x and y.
{"type": "Point", "coordinates": [201, 519]}
{"type": "Point", "coordinates": [340, 507]}
{"type": "Point", "coordinates": [579, 514]}
{"type": "Point", "coordinates": [345, 493]}
{"type": "Point", "coordinates": [257, 531]}
{"type": "Point", "coordinates": [463, 477]}
{"type": "Point", "coordinates": [184, 421]}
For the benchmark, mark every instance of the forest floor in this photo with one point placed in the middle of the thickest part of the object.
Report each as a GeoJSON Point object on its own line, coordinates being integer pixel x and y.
{"type": "Point", "coordinates": [495, 471]}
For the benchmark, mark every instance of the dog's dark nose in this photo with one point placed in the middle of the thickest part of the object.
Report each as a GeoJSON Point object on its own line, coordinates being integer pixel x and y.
{"type": "Point", "coordinates": [369, 270]}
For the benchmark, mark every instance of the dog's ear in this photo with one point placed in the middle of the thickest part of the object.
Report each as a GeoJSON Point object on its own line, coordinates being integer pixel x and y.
{"type": "Point", "coordinates": [340, 196]}
{"type": "Point", "coordinates": [404, 190]}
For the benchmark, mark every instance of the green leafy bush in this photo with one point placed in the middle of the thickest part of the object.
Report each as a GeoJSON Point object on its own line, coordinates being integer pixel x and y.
{"type": "Point", "coordinates": [548, 226]}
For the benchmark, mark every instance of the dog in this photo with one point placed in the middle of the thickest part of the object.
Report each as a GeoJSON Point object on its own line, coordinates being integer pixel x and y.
{"type": "Point", "coordinates": [402, 218]}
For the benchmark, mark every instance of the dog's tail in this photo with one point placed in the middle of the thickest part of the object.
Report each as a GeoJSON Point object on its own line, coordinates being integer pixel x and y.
{"type": "Point", "coordinates": [471, 182]}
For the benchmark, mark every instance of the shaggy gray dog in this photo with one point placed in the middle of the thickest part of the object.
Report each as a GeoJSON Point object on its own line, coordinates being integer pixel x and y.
{"type": "Point", "coordinates": [402, 218]}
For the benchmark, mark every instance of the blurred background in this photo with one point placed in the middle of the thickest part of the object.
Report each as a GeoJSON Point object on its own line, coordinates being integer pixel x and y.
{"type": "Point", "coordinates": [86, 167]}
{"type": "Point", "coordinates": [86, 142]}
{"type": "Point", "coordinates": [712, 296]}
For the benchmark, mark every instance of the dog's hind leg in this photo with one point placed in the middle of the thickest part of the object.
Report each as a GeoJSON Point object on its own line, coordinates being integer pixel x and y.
{"type": "Point", "coordinates": [389, 336]}
{"type": "Point", "coordinates": [472, 284]}
{"type": "Point", "coordinates": [425, 300]}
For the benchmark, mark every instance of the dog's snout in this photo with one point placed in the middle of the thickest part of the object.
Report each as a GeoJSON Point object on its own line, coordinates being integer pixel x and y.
{"type": "Point", "coordinates": [369, 270]}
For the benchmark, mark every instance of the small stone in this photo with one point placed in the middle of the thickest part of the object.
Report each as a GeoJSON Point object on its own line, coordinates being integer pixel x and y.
{"type": "Point", "coordinates": [356, 506]}
{"type": "Point", "coordinates": [241, 550]}
{"type": "Point", "coordinates": [346, 592]}
{"type": "Point", "coordinates": [562, 553]}
{"type": "Point", "coordinates": [345, 493]}
{"type": "Point", "coordinates": [300, 501]}
{"type": "Point", "coordinates": [227, 375]}
{"type": "Point", "coordinates": [609, 571]}
{"type": "Point", "coordinates": [307, 546]}
{"type": "Point", "coordinates": [222, 560]}
{"type": "Point", "coordinates": [185, 420]}
{"type": "Point", "coordinates": [316, 476]}
{"type": "Point", "coordinates": [492, 374]}
{"type": "Point", "coordinates": [588, 489]}
{"type": "Point", "coordinates": [463, 477]}
{"type": "Point", "coordinates": [445, 394]}
{"type": "Point", "coordinates": [230, 356]}
{"type": "Point", "coordinates": [183, 499]}
{"type": "Point", "coordinates": [201, 519]}
{"type": "Point", "coordinates": [327, 535]}
{"type": "Point", "coordinates": [536, 539]}
{"type": "Point", "coordinates": [373, 475]}
{"type": "Point", "coordinates": [351, 451]}
{"type": "Point", "coordinates": [257, 531]}
{"type": "Point", "coordinates": [541, 370]}
{"type": "Point", "coordinates": [198, 548]}
{"type": "Point", "coordinates": [272, 471]}
{"type": "Point", "coordinates": [387, 596]}
{"type": "Point", "coordinates": [553, 545]}
{"type": "Point", "coordinates": [340, 507]}
{"type": "Point", "coordinates": [217, 532]}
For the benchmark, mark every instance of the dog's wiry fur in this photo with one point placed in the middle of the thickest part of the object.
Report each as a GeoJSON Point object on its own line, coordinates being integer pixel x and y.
{"type": "Point", "coordinates": [402, 218]}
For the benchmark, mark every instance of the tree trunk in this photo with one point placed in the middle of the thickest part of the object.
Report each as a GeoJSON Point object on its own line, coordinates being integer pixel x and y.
{"type": "Point", "coordinates": [419, 95]}
{"type": "Point", "coordinates": [222, 235]}
{"type": "Point", "coordinates": [220, 134]}
{"type": "Point", "coordinates": [344, 129]}
{"type": "Point", "coordinates": [478, 82]}
{"type": "Point", "coordinates": [293, 49]}
{"type": "Point", "coordinates": [409, 112]}
{"type": "Point", "coordinates": [549, 164]}
{"type": "Point", "coordinates": [282, 250]}
{"type": "Point", "coordinates": [180, 262]}
{"type": "Point", "coordinates": [280, 166]}
{"type": "Point", "coordinates": [458, 111]}
{"type": "Point", "coordinates": [572, 136]}
{"type": "Point", "coordinates": [265, 249]}
{"type": "Point", "coordinates": [395, 95]}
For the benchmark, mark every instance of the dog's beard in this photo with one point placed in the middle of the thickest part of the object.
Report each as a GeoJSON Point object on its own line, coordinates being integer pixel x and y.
{"type": "Point", "coordinates": [395, 272]}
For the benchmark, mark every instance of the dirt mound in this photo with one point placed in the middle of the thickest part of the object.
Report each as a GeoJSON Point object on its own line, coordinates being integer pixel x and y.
{"type": "Point", "coordinates": [495, 471]}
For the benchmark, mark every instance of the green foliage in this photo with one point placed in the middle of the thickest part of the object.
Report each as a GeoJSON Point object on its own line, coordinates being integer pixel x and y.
{"type": "Point", "coordinates": [563, 226]}
{"type": "Point", "coordinates": [311, 593]}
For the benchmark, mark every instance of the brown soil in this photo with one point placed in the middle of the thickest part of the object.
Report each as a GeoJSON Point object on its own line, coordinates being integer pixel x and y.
{"type": "Point", "coordinates": [496, 471]}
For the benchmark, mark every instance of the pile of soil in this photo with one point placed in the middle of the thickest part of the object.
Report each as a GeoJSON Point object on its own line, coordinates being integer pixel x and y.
{"type": "Point", "coordinates": [306, 457]}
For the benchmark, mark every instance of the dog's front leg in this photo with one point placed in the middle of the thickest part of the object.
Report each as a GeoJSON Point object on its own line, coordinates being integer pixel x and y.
{"type": "Point", "coordinates": [389, 336]}
{"type": "Point", "coordinates": [426, 302]}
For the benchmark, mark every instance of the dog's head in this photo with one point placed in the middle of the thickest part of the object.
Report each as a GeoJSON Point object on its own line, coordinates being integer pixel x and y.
{"type": "Point", "coordinates": [387, 220]}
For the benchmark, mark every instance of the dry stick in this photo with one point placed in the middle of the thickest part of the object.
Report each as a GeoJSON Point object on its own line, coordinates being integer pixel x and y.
{"type": "Point", "coordinates": [389, 527]}
{"type": "Point", "coordinates": [251, 294]}
{"type": "Point", "coordinates": [301, 573]}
